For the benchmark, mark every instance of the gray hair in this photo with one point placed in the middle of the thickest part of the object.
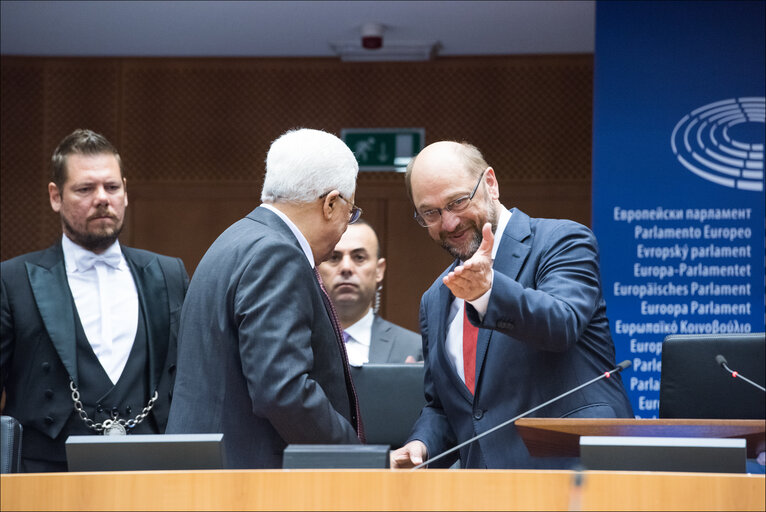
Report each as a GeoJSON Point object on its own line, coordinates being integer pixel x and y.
{"type": "Point", "coordinates": [303, 164]}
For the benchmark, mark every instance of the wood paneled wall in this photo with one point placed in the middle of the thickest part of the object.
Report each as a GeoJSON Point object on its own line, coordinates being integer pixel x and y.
{"type": "Point", "coordinates": [193, 134]}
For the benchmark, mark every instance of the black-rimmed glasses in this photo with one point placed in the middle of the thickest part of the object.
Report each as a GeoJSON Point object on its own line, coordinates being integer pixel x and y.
{"type": "Point", "coordinates": [355, 213]}
{"type": "Point", "coordinates": [433, 216]}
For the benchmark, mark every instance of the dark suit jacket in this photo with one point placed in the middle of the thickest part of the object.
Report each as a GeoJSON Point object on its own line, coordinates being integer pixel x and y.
{"type": "Point", "coordinates": [258, 358]}
{"type": "Point", "coordinates": [391, 343]}
{"type": "Point", "coordinates": [37, 342]}
{"type": "Point", "coordinates": [545, 332]}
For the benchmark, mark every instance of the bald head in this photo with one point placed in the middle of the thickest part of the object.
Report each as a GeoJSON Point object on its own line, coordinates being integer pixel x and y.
{"type": "Point", "coordinates": [454, 192]}
{"type": "Point", "coordinates": [453, 157]}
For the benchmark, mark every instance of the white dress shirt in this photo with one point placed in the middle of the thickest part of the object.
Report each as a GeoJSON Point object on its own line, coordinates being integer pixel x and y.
{"type": "Point", "coordinates": [106, 300]}
{"type": "Point", "coordinates": [359, 339]}
{"type": "Point", "coordinates": [454, 340]}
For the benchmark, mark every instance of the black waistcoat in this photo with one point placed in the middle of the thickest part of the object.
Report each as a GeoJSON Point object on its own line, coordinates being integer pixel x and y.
{"type": "Point", "coordinates": [100, 397]}
{"type": "Point", "coordinates": [129, 395]}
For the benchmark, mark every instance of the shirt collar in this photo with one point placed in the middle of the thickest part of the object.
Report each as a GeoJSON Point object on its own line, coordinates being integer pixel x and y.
{"type": "Point", "coordinates": [297, 232]}
{"type": "Point", "coordinates": [502, 222]}
{"type": "Point", "coordinates": [361, 331]}
{"type": "Point", "coordinates": [74, 254]}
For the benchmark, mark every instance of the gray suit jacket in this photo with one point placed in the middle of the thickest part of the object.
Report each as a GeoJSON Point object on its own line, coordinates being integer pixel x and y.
{"type": "Point", "coordinates": [545, 332]}
{"type": "Point", "coordinates": [392, 344]}
{"type": "Point", "coordinates": [258, 358]}
{"type": "Point", "coordinates": [37, 340]}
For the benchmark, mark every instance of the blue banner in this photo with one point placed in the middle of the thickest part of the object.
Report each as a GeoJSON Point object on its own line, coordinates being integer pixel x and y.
{"type": "Point", "coordinates": [678, 175]}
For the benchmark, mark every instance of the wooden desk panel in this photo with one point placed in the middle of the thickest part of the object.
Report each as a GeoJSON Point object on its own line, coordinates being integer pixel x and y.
{"type": "Point", "coordinates": [380, 490]}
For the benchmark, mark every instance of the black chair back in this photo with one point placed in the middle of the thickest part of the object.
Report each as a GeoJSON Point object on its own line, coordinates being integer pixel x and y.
{"type": "Point", "coordinates": [694, 385]}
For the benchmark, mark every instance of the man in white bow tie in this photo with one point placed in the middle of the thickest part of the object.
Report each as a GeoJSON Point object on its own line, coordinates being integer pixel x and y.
{"type": "Point", "coordinates": [89, 326]}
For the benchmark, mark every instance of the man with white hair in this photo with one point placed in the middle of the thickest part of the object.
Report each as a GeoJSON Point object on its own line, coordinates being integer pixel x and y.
{"type": "Point", "coordinates": [260, 351]}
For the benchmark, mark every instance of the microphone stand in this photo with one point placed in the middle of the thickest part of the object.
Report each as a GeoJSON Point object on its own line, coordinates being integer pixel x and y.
{"type": "Point", "coordinates": [605, 375]}
{"type": "Point", "coordinates": [722, 361]}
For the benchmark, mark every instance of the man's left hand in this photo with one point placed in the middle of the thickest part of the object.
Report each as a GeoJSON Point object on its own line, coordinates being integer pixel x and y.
{"type": "Point", "coordinates": [473, 278]}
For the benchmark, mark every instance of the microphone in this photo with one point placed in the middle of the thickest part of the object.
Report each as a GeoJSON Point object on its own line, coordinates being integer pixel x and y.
{"type": "Point", "coordinates": [722, 361]}
{"type": "Point", "coordinates": [604, 375]}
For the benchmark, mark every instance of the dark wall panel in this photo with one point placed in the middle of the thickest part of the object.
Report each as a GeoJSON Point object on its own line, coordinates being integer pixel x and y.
{"type": "Point", "coordinates": [194, 133]}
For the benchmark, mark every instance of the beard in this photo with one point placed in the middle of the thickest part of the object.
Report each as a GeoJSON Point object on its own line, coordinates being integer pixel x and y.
{"type": "Point", "coordinates": [94, 242]}
{"type": "Point", "coordinates": [470, 247]}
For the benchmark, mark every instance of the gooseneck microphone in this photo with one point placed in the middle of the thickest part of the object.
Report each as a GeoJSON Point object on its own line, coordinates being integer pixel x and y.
{"type": "Point", "coordinates": [604, 375]}
{"type": "Point", "coordinates": [722, 361]}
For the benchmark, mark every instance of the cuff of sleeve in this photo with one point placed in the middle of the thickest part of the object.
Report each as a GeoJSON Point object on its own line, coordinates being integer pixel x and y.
{"type": "Point", "coordinates": [481, 304]}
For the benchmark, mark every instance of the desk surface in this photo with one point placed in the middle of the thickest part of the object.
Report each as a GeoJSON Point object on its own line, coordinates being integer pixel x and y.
{"type": "Point", "coordinates": [381, 490]}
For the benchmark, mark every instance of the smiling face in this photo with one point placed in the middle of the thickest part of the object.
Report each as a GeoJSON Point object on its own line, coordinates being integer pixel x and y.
{"type": "Point", "coordinates": [353, 272]}
{"type": "Point", "coordinates": [441, 175]}
{"type": "Point", "coordinates": [91, 201]}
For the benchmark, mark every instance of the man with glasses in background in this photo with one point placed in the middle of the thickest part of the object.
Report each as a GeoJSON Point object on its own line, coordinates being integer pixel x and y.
{"type": "Point", "coordinates": [260, 350]}
{"type": "Point", "coordinates": [515, 321]}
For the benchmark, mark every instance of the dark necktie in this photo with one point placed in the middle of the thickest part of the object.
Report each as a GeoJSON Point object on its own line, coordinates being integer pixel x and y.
{"type": "Point", "coordinates": [342, 346]}
{"type": "Point", "coordinates": [470, 335]}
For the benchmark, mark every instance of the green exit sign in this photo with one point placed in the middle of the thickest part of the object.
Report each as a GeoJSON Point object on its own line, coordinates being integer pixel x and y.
{"type": "Point", "coordinates": [384, 149]}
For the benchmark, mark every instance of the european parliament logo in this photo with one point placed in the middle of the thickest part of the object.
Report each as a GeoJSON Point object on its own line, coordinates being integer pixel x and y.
{"type": "Point", "coordinates": [723, 142]}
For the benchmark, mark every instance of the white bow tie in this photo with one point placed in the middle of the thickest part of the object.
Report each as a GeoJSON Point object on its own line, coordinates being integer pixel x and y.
{"type": "Point", "coordinates": [88, 259]}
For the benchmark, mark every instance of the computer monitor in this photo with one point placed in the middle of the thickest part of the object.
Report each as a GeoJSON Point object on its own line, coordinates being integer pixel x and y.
{"type": "Point", "coordinates": [336, 456]}
{"type": "Point", "coordinates": [693, 384]}
{"type": "Point", "coordinates": [629, 453]}
{"type": "Point", "coordinates": [138, 452]}
{"type": "Point", "coordinates": [390, 398]}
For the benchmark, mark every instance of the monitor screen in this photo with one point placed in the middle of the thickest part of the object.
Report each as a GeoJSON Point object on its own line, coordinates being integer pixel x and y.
{"type": "Point", "coordinates": [138, 452]}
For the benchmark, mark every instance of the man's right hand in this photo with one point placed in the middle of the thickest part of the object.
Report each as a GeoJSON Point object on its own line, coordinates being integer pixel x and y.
{"type": "Point", "coordinates": [409, 455]}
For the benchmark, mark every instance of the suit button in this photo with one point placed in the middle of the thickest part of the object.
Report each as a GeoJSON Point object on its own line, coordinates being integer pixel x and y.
{"type": "Point", "coordinates": [49, 393]}
{"type": "Point", "coordinates": [478, 414]}
{"type": "Point", "coordinates": [46, 367]}
{"type": "Point", "coordinates": [127, 410]}
{"type": "Point", "coordinates": [99, 408]}
{"type": "Point", "coordinates": [48, 420]}
{"type": "Point", "coordinates": [115, 411]}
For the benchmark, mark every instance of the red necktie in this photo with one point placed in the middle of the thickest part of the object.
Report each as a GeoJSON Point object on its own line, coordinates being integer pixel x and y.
{"type": "Point", "coordinates": [470, 335]}
{"type": "Point", "coordinates": [342, 345]}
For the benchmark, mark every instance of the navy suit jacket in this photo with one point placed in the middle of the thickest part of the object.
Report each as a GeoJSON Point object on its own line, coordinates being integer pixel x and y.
{"type": "Point", "coordinates": [390, 343]}
{"type": "Point", "coordinates": [545, 332]}
{"type": "Point", "coordinates": [258, 357]}
{"type": "Point", "coordinates": [37, 340]}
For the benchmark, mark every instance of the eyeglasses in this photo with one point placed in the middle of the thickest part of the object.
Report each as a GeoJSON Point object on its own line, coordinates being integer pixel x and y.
{"type": "Point", "coordinates": [431, 217]}
{"type": "Point", "coordinates": [355, 212]}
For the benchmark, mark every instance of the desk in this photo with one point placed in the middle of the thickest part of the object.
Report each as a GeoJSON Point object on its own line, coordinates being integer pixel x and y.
{"type": "Point", "coordinates": [380, 490]}
{"type": "Point", "coordinates": [560, 437]}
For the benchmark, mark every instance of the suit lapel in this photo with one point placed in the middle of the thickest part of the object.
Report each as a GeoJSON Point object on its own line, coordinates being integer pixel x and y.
{"type": "Point", "coordinates": [509, 260]}
{"type": "Point", "coordinates": [381, 342]}
{"type": "Point", "coordinates": [50, 288]}
{"type": "Point", "coordinates": [513, 252]}
{"type": "Point", "coordinates": [155, 308]}
{"type": "Point", "coordinates": [445, 298]}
